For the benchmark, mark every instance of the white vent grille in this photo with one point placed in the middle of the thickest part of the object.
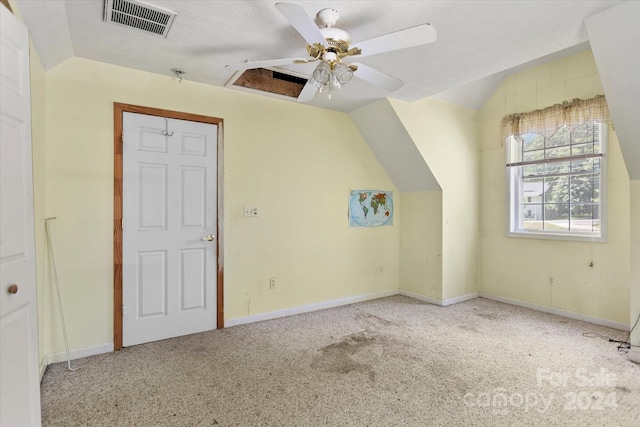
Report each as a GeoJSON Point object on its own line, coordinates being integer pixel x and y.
{"type": "Point", "coordinates": [140, 15]}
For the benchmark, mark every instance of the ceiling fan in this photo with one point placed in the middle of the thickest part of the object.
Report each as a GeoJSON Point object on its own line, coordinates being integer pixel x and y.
{"type": "Point", "coordinates": [332, 47]}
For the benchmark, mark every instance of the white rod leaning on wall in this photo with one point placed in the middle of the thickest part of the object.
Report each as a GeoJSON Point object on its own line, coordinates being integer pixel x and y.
{"type": "Point", "coordinates": [55, 281]}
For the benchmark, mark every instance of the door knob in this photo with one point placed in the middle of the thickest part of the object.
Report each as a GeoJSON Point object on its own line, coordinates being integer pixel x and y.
{"type": "Point", "coordinates": [13, 289]}
{"type": "Point", "coordinates": [209, 237]}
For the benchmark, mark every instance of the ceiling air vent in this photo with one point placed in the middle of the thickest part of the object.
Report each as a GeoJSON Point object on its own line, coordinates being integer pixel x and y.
{"type": "Point", "coordinates": [140, 15]}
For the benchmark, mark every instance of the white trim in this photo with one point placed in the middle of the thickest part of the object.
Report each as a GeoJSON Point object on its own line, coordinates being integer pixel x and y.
{"type": "Point", "coordinates": [558, 311]}
{"type": "Point", "coordinates": [43, 366]}
{"type": "Point", "coordinates": [79, 353]}
{"type": "Point", "coordinates": [634, 355]}
{"type": "Point", "coordinates": [461, 298]}
{"type": "Point", "coordinates": [561, 236]}
{"type": "Point", "coordinates": [430, 300]}
{"type": "Point", "coordinates": [542, 308]}
{"type": "Point", "coordinates": [437, 301]}
{"type": "Point", "coordinates": [307, 308]}
{"type": "Point", "coordinates": [514, 224]}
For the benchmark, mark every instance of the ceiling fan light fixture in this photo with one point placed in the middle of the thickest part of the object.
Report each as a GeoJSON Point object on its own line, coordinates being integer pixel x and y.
{"type": "Point", "coordinates": [332, 75]}
{"type": "Point", "coordinates": [321, 75]}
{"type": "Point", "coordinates": [342, 73]}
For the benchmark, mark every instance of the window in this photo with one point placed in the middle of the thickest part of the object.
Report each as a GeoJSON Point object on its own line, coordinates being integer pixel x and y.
{"type": "Point", "coordinates": [557, 177]}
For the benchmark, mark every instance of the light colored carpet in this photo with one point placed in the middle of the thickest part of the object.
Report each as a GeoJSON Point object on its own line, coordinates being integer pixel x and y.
{"type": "Point", "coordinates": [389, 362]}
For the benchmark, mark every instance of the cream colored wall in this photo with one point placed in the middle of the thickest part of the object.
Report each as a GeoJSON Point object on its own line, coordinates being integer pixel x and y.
{"type": "Point", "coordinates": [519, 268]}
{"type": "Point", "coordinates": [446, 136]}
{"type": "Point", "coordinates": [635, 266]}
{"type": "Point", "coordinates": [294, 162]}
{"type": "Point", "coordinates": [421, 243]}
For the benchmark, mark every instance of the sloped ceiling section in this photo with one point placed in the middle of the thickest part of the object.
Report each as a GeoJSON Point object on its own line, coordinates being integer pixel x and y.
{"type": "Point", "coordinates": [390, 142]}
{"type": "Point", "coordinates": [615, 41]}
{"type": "Point", "coordinates": [473, 95]}
{"type": "Point", "coordinates": [57, 46]}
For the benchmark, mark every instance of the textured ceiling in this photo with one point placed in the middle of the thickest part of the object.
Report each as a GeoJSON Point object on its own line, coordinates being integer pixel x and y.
{"type": "Point", "coordinates": [478, 41]}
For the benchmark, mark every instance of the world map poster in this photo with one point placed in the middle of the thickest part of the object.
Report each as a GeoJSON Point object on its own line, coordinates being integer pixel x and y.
{"type": "Point", "coordinates": [370, 208]}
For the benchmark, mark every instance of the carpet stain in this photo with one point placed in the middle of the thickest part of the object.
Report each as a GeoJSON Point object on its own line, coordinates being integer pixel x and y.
{"type": "Point", "coordinates": [623, 389]}
{"type": "Point", "coordinates": [338, 357]}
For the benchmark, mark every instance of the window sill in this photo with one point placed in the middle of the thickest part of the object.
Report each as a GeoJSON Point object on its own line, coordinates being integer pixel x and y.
{"type": "Point", "coordinates": [557, 236]}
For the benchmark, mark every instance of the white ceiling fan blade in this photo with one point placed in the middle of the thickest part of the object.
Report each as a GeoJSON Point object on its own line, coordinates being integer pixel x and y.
{"type": "Point", "coordinates": [262, 64]}
{"type": "Point", "coordinates": [302, 22]}
{"type": "Point", "coordinates": [409, 37]}
{"type": "Point", "coordinates": [307, 93]}
{"type": "Point", "coordinates": [377, 78]}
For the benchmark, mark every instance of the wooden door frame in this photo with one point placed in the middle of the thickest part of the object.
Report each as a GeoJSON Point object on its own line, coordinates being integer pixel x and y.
{"type": "Point", "coordinates": [118, 110]}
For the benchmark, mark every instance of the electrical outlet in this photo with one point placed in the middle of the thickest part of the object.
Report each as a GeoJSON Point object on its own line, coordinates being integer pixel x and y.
{"type": "Point", "coordinates": [550, 280]}
{"type": "Point", "coordinates": [273, 282]}
{"type": "Point", "coordinates": [250, 211]}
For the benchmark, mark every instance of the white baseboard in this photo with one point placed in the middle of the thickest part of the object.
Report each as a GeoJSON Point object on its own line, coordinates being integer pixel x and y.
{"type": "Point", "coordinates": [307, 308]}
{"type": "Point", "coordinates": [424, 298]}
{"type": "Point", "coordinates": [43, 366]}
{"type": "Point", "coordinates": [634, 355]}
{"type": "Point", "coordinates": [440, 302]}
{"type": "Point", "coordinates": [461, 298]}
{"type": "Point", "coordinates": [551, 310]}
{"type": "Point", "coordinates": [558, 311]}
{"type": "Point", "coordinates": [79, 353]}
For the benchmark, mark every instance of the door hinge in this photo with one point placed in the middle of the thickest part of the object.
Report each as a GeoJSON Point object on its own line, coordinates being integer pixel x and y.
{"type": "Point", "coordinates": [122, 138]}
{"type": "Point", "coordinates": [122, 310]}
{"type": "Point", "coordinates": [121, 223]}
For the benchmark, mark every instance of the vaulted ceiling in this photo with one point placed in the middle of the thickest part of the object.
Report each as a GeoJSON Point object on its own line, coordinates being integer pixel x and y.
{"type": "Point", "coordinates": [479, 42]}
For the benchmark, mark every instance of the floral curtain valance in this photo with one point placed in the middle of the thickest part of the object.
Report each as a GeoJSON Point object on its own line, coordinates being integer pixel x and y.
{"type": "Point", "coordinates": [548, 120]}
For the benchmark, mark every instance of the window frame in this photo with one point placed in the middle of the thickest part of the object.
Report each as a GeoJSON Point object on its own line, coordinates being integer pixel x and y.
{"type": "Point", "coordinates": [514, 211]}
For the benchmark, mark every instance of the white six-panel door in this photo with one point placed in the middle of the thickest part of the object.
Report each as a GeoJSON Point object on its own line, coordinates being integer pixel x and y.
{"type": "Point", "coordinates": [19, 382]}
{"type": "Point", "coordinates": [169, 225]}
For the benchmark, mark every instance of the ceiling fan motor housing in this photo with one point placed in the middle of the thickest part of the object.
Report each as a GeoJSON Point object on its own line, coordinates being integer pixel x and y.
{"type": "Point", "coordinates": [336, 36]}
{"type": "Point", "coordinates": [337, 41]}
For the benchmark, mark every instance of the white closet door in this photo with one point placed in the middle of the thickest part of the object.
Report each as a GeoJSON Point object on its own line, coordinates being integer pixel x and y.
{"type": "Point", "coordinates": [19, 382]}
{"type": "Point", "coordinates": [169, 210]}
